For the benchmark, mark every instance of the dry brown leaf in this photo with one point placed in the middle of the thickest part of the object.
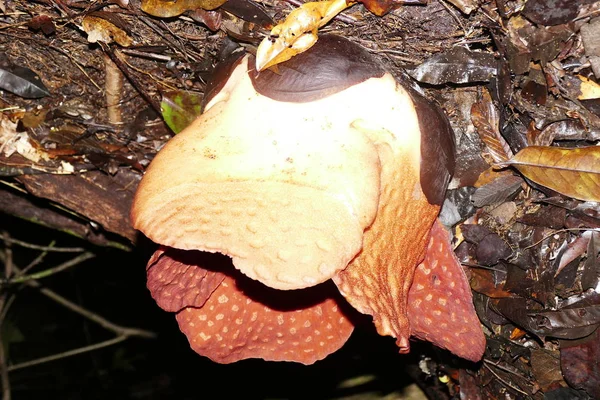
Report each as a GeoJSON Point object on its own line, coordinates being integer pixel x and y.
{"type": "Point", "coordinates": [572, 172]}
{"type": "Point", "coordinates": [101, 30]}
{"type": "Point", "coordinates": [485, 118]}
{"type": "Point", "coordinates": [167, 9]}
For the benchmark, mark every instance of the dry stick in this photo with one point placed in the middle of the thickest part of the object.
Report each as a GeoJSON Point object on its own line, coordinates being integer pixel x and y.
{"type": "Point", "coordinates": [69, 353]}
{"type": "Point", "coordinates": [103, 322]}
{"type": "Point", "coordinates": [507, 384]}
{"type": "Point", "coordinates": [36, 261]}
{"type": "Point", "coordinates": [122, 332]}
{"type": "Point", "coordinates": [132, 78]}
{"type": "Point", "coordinates": [8, 270]}
{"type": "Point", "coordinates": [54, 270]}
{"type": "Point", "coordinates": [5, 379]}
{"type": "Point", "coordinates": [113, 90]}
{"type": "Point", "coordinates": [51, 247]}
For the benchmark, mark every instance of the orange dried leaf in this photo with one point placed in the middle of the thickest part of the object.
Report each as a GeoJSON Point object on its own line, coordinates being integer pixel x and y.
{"type": "Point", "coordinates": [572, 172]}
{"type": "Point", "coordinates": [102, 30]}
{"type": "Point", "coordinates": [169, 8]}
{"type": "Point", "coordinates": [485, 118]}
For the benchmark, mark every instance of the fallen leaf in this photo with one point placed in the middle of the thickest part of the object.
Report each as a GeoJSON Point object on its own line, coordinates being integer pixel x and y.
{"type": "Point", "coordinates": [42, 23]}
{"type": "Point", "coordinates": [169, 8]}
{"type": "Point", "coordinates": [568, 129]}
{"type": "Point", "coordinates": [497, 191]}
{"type": "Point", "coordinates": [571, 172]}
{"type": "Point", "coordinates": [589, 89]}
{"type": "Point", "coordinates": [546, 369]}
{"type": "Point", "coordinates": [553, 12]}
{"type": "Point", "coordinates": [579, 363]}
{"type": "Point", "coordinates": [23, 82]}
{"type": "Point", "coordinates": [591, 268]}
{"type": "Point", "coordinates": [180, 108]}
{"type": "Point", "coordinates": [486, 119]}
{"type": "Point", "coordinates": [482, 282]}
{"type": "Point", "coordinates": [465, 6]}
{"type": "Point", "coordinates": [457, 65]}
{"type": "Point", "coordinates": [100, 29]}
{"type": "Point", "coordinates": [249, 11]}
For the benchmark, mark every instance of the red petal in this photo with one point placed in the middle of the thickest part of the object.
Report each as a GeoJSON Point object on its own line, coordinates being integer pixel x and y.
{"type": "Point", "coordinates": [243, 319]}
{"type": "Point", "coordinates": [440, 304]}
{"type": "Point", "coordinates": [175, 281]}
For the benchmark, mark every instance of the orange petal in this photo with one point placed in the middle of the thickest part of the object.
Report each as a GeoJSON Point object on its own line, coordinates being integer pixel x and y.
{"type": "Point", "coordinates": [440, 304]}
{"type": "Point", "coordinates": [242, 318]}
{"type": "Point", "coordinates": [175, 281]}
{"type": "Point", "coordinates": [377, 281]}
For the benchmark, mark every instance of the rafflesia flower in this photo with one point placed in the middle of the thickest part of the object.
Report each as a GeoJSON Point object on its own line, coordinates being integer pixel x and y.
{"type": "Point", "coordinates": [319, 184]}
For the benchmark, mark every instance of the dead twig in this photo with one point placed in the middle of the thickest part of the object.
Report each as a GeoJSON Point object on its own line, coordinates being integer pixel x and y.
{"type": "Point", "coordinates": [7, 239]}
{"type": "Point", "coordinates": [51, 271]}
{"type": "Point", "coordinates": [70, 353]}
{"type": "Point", "coordinates": [8, 270]}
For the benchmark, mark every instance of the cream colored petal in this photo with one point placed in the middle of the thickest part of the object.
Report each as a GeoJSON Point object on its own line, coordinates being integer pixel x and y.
{"type": "Point", "coordinates": [283, 188]}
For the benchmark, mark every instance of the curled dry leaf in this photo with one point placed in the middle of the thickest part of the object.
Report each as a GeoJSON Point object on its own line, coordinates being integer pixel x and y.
{"type": "Point", "coordinates": [499, 190]}
{"type": "Point", "coordinates": [465, 6]}
{"type": "Point", "coordinates": [572, 172]}
{"type": "Point", "coordinates": [486, 119]}
{"type": "Point", "coordinates": [167, 9]}
{"type": "Point", "coordinates": [101, 30]}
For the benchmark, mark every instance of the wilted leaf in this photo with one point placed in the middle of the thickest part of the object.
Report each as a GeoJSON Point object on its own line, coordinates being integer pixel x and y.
{"type": "Point", "coordinates": [485, 118]}
{"type": "Point", "coordinates": [591, 267]}
{"type": "Point", "coordinates": [497, 191]}
{"type": "Point", "coordinates": [100, 29]}
{"type": "Point", "coordinates": [572, 172]}
{"type": "Point", "coordinates": [547, 216]}
{"type": "Point", "coordinates": [564, 324]}
{"type": "Point", "coordinates": [579, 363]}
{"type": "Point", "coordinates": [482, 282]}
{"type": "Point", "coordinates": [42, 23]}
{"type": "Point", "coordinates": [588, 89]}
{"type": "Point", "coordinates": [569, 319]}
{"type": "Point", "coordinates": [180, 108]}
{"type": "Point", "coordinates": [22, 82]}
{"type": "Point", "coordinates": [546, 369]}
{"type": "Point", "coordinates": [249, 11]}
{"type": "Point", "coordinates": [457, 65]}
{"type": "Point", "coordinates": [169, 8]}
{"type": "Point", "coordinates": [492, 249]}
{"type": "Point", "coordinates": [212, 19]}
{"type": "Point", "coordinates": [553, 12]}
{"type": "Point", "coordinates": [568, 129]}
{"type": "Point", "coordinates": [465, 6]}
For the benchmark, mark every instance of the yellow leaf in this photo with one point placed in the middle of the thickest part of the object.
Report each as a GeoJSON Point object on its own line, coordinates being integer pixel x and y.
{"type": "Point", "coordinates": [572, 172]}
{"type": "Point", "coordinates": [173, 8]}
{"type": "Point", "coordinates": [589, 89]}
{"type": "Point", "coordinates": [298, 32]}
{"type": "Point", "coordinates": [101, 30]}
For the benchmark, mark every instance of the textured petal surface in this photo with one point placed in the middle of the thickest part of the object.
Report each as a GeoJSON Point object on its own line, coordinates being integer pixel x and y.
{"type": "Point", "coordinates": [242, 318]}
{"type": "Point", "coordinates": [377, 281]}
{"type": "Point", "coordinates": [440, 304]}
{"type": "Point", "coordinates": [175, 281]}
{"type": "Point", "coordinates": [287, 193]}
